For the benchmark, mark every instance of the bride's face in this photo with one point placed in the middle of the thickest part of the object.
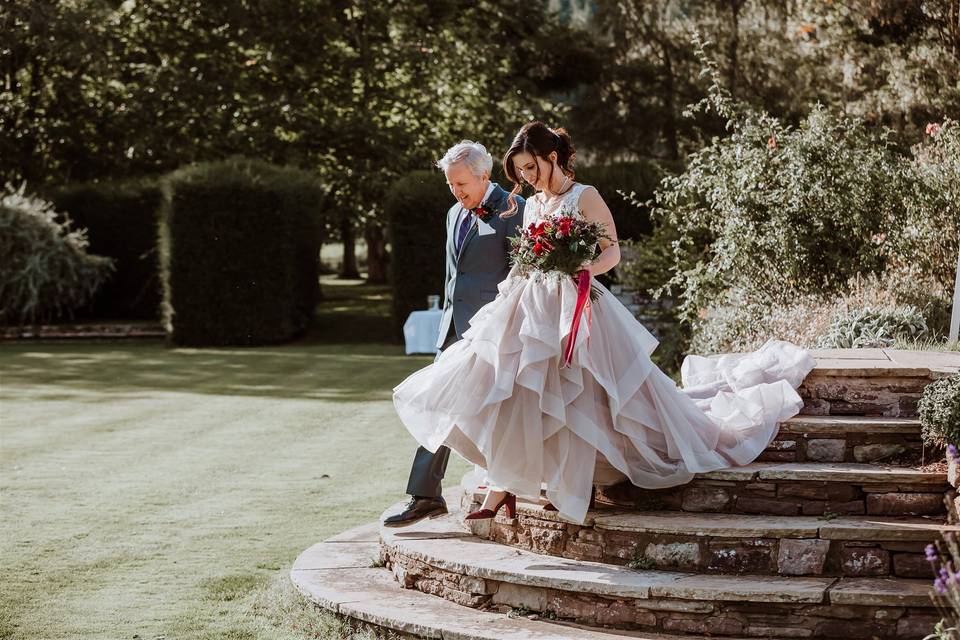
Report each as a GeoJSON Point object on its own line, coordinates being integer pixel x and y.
{"type": "Point", "coordinates": [535, 170]}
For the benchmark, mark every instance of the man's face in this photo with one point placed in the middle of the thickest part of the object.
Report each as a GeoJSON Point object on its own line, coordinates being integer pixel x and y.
{"type": "Point", "coordinates": [467, 188]}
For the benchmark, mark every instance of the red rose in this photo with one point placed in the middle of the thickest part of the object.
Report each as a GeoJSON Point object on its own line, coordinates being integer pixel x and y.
{"type": "Point", "coordinates": [563, 226]}
{"type": "Point", "coordinates": [541, 247]}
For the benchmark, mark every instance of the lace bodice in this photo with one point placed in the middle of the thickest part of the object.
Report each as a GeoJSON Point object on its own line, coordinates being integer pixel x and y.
{"type": "Point", "coordinates": [568, 204]}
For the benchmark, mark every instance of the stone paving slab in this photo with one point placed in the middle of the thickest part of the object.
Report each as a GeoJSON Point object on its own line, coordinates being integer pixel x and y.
{"type": "Point", "coordinates": [937, 361]}
{"type": "Point", "coordinates": [369, 532]}
{"type": "Point", "coordinates": [849, 424]}
{"type": "Point", "coordinates": [884, 363]}
{"type": "Point", "coordinates": [886, 592]}
{"type": "Point", "coordinates": [356, 555]}
{"type": "Point", "coordinates": [850, 354]}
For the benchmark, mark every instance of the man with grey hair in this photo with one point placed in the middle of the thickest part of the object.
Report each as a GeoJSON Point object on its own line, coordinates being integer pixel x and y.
{"type": "Point", "coordinates": [478, 259]}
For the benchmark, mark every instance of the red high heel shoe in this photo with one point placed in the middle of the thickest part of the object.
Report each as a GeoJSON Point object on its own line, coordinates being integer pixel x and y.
{"type": "Point", "coordinates": [509, 501]}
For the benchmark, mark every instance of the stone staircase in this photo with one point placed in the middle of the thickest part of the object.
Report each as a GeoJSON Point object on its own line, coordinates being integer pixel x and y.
{"type": "Point", "coordinates": [822, 537]}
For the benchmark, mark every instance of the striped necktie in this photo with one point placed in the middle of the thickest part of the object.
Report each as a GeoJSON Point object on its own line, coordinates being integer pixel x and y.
{"type": "Point", "coordinates": [464, 229]}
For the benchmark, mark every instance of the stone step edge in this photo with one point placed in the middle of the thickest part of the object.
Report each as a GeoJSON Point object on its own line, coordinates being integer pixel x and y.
{"type": "Point", "coordinates": [845, 528]}
{"type": "Point", "coordinates": [351, 589]}
{"type": "Point", "coordinates": [620, 582]}
{"type": "Point", "coordinates": [860, 473]}
{"type": "Point", "coordinates": [866, 425]}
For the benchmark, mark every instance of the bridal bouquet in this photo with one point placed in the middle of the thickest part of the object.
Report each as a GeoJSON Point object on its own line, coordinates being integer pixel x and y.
{"type": "Point", "coordinates": [562, 243]}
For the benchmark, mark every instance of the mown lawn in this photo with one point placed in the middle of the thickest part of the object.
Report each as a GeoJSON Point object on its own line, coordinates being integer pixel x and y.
{"type": "Point", "coordinates": [150, 492]}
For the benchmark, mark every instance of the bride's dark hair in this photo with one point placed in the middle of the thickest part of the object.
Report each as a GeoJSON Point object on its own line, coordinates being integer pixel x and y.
{"type": "Point", "coordinates": [539, 140]}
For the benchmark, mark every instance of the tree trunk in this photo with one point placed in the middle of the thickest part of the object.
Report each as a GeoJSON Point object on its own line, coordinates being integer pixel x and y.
{"type": "Point", "coordinates": [670, 106]}
{"type": "Point", "coordinates": [377, 257]}
{"type": "Point", "coordinates": [348, 268]}
{"type": "Point", "coordinates": [734, 46]}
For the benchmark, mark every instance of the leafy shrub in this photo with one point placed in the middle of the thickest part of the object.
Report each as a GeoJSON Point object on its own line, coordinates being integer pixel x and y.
{"type": "Point", "coordinates": [772, 223]}
{"type": "Point", "coordinates": [925, 234]}
{"type": "Point", "coordinates": [940, 411]}
{"type": "Point", "coordinates": [744, 323]}
{"type": "Point", "coordinates": [121, 222]}
{"type": "Point", "coordinates": [416, 210]}
{"type": "Point", "coordinates": [781, 210]}
{"type": "Point", "coordinates": [874, 327]}
{"type": "Point", "coordinates": [239, 244]}
{"type": "Point", "coordinates": [45, 270]}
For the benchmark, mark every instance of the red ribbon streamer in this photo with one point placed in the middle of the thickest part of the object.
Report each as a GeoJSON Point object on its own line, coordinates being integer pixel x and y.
{"type": "Point", "coordinates": [583, 297]}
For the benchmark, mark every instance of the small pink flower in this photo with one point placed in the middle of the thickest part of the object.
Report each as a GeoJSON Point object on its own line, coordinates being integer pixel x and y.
{"type": "Point", "coordinates": [772, 142]}
{"type": "Point", "coordinates": [933, 128]}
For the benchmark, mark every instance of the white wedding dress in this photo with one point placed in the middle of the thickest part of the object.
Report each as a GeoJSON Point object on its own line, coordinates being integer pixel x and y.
{"type": "Point", "coordinates": [499, 398]}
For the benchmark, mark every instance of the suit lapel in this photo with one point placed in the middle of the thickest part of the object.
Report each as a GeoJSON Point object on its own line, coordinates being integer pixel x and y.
{"type": "Point", "coordinates": [494, 202]}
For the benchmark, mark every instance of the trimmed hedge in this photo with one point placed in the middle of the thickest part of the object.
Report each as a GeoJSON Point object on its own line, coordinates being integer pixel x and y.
{"type": "Point", "coordinates": [121, 223]}
{"type": "Point", "coordinates": [640, 177]}
{"type": "Point", "coordinates": [416, 209]}
{"type": "Point", "coordinates": [240, 252]}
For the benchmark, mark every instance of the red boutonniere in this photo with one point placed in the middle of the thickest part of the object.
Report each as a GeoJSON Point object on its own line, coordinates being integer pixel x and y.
{"type": "Point", "coordinates": [483, 212]}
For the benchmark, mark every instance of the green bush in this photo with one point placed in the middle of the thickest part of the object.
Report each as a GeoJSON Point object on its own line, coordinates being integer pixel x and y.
{"type": "Point", "coordinates": [874, 327]}
{"type": "Point", "coordinates": [45, 271]}
{"type": "Point", "coordinates": [901, 311]}
{"type": "Point", "coordinates": [940, 411]}
{"type": "Point", "coordinates": [416, 210]}
{"type": "Point", "coordinates": [121, 222]}
{"type": "Point", "coordinates": [239, 248]}
{"type": "Point", "coordinates": [617, 182]}
{"type": "Point", "coordinates": [925, 234]}
{"type": "Point", "coordinates": [774, 220]}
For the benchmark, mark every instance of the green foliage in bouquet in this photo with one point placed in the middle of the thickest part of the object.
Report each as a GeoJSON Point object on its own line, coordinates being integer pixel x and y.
{"type": "Point", "coordinates": [45, 270]}
{"type": "Point", "coordinates": [416, 209]}
{"type": "Point", "coordinates": [121, 219]}
{"type": "Point", "coordinates": [560, 244]}
{"type": "Point", "coordinates": [240, 252]}
{"type": "Point", "coordinates": [940, 411]}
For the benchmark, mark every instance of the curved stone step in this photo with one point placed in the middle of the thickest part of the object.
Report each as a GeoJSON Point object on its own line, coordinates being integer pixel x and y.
{"type": "Point", "coordinates": [854, 546]}
{"type": "Point", "coordinates": [798, 488]}
{"type": "Point", "coordinates": [338, 576]}
{"type": "Point", "coordinates": [442, 558]}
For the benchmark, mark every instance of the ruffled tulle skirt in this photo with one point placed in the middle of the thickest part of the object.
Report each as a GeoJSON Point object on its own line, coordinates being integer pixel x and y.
{"type": "Point", "coordinates": [500, 399]}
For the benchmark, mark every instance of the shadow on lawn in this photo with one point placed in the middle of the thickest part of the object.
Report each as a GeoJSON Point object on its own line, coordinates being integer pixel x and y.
{"type": "Point", "coordinates": [322, 372]}
{"type": "Point", "coordinates": [346, 356]}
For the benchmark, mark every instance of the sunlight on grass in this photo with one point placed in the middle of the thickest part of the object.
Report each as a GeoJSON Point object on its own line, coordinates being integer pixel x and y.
{"type": "Point", "coordinates": [159, 492]}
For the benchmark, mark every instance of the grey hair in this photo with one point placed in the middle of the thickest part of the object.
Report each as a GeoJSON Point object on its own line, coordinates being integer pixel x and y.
{"type": "Point", "coordinates": [473, 153]}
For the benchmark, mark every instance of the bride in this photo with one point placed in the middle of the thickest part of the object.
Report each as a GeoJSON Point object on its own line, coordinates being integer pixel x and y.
{"type": "Point", "coordinates": [500, 398]}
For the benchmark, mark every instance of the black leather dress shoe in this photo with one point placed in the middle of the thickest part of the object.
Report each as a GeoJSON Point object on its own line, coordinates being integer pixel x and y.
{"type": "Point", "coordinates": [417, 509]}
